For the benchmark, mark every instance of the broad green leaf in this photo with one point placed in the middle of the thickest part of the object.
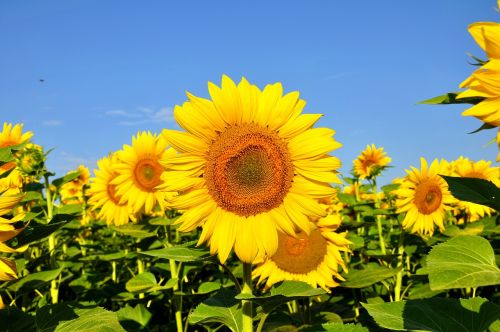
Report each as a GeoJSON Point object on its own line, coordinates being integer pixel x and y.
{"type": "Point", "coordinates": [34, 281]}
{"type": "Point", "coordinates": [32, 196]}
{"type": "Point", "coordinates": [137, 230]}
{"type": "Point", "coordinates": [35, 232]}
{"type": "Point", "coordinates": [438, 314]}
{"type": "Point", "coordinates": [474, 190]}
{"type": "Point", "coordinates": [219, 308]}
{"type": "Point", "coordinates": [71, 317]}
{"type": "Point", "coordinates": [283, 292]}
{"type": "Point", "coordinates": [162, 221]}
{"type": "Point", "coordinates": [131, 317]}
{"type": "Point", "coordinates": [14, 320]}
{"type": "Point", "coordinates": [179, 253]}
{"type": "Point", "coordinates": [334, 327]}
{"type": "Point", "coordinates": [463, 261]}
{"type": "Point", "coordinates": [451, 98]}
{"type": "Point", "coordinates": [7, 153]}
{"type": "Point", "coordinates": [65, 179]}
{"type": "Point", "coordinates": [146, 282]}
{"type": "Point", "coordinates": [69, 209]}
{"type": "Point", "coordinates": [370, 275]}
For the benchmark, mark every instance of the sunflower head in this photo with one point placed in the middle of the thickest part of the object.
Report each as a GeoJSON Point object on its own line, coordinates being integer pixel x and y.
{"type": "Point", "coordinates": [371, 162]}
{"type": "Point", "coordinates": [313, 258]}
{"type": "Point", "coordinates": [7, 232]}
{"type": "Point", "coordinates": [138, 181]}
{"type": "Point", "coordinates": [31, 160]}
{"type": "Point", "coordinates": [103, 195]}
{"type": "Point", "coordinates": [424, 197]}
{"type": "Point", "coordinates": [248, 164]}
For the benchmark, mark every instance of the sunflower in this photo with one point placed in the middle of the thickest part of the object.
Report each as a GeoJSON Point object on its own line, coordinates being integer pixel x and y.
{"type": "Point", "coordinates": [481, 169]}
{"type": "Point", "coordinates": [313, 258]}
{"type": "Point", "coordinates": [424, 196]}
{"type": "Point", "coordinates": [139, 173]}
{"type": "Point", "coordinates": [103, 194]}
{"type": "Point", "coordinates": [11, 136]}
{"type": "Point", "coordinates": [250, 164]}
{"type": "Point", "coordinates": [485, 82]}
{"type": "Point", "coordinates": [370, 162]}
{"type": "Point", "coordinates": [7, 232]}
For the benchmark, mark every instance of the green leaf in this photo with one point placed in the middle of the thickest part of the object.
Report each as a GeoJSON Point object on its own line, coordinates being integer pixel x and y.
{"type": "Point", "coordinates": [220, 308]}
{"type": "Point", "coordinates": [451, 98]}
{"type": "Point", "coordinates": [179, 254]}
{"type": "Point", "coordinates": [35, 231]}
{"type": "Point", "coordinates": [463, 261]}
{"type": "Point", "coordinates": [370, 275]}
{"type": "Point", "coordinates": [137, 230]}
{"type": "Point", "coordinates": [474, 190]}
{"type": "Point", "coordinates": [134, 318]}
{"type": "Point", "coordinates": [146, 282]}
{"type": "Point", "coordinates": [7, 153]}
{"type": "Point", "coordinates": [162, 221]}
{"type": "Point", "coordinates": [334, 327]}
{"type": "Point", "coordinates": [438, 314]}
{"type": "Point", "coordinates": [32, 196]}
{"type": "Point", "coordinates": [65, 179]}
{"type": "Point", "coordinates": [75, 209]}
{"type": "Point", "coordinates": [14, 320]}
{"type": "Point", "coordinates": [283, 292]}
{"type": "Point", "coordinates": [70, 317]}
{"type": "Point", "coordinates": [34, 281]}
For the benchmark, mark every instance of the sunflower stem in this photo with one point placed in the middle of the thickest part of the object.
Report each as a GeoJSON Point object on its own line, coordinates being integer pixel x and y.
{"type": "Point", "coordinates": [399, 276]}
{"type": "Point", "coordinates": [54, 291]}
{"type": "Point", "coordinates": [379, 218]}
{"type": "Point", "coordinates": [174, 273]}
{"type": "Point", "coordinates": [246, 304]}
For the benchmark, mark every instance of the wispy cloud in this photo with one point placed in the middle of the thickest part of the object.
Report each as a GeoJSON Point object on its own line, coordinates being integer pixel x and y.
{"type": "Point", "coordinates": [141, 115]}
{"type": "Point", "coordinates": [52, 123]}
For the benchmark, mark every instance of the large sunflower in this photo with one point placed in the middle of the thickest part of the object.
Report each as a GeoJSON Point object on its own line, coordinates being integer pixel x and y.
{"type": "Point", "coordinates": [250, 164]}
{"type": "Point", "coordinates": [313, 258]}
{"type": "Point", "coordinates": [485, 82]}
{"type": "Point", "coordinates": [424, 196]}
{"type": "Point", "coordinates": [139, 173]}
{"type": "Point", "coordinates": [103, 194]}
{"type": "Point", "coordinates": [7, 232]}
{"type": "Point", "coordinates": [370, 162]}
{"type": "Point", "coordinates": [482, 170]}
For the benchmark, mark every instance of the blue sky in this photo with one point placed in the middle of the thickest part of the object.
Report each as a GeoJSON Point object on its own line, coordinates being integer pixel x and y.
{"type": "Point", "coordinates": [112, 68]}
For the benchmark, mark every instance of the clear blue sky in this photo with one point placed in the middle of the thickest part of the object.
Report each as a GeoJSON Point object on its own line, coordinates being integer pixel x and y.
{"type": "Point", "coordinates": [112, 68]}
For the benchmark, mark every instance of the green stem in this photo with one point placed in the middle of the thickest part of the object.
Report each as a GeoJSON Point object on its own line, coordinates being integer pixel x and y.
{"type": "Point", "coordinates": [263, 318]}
{"type": "Point", "coordinates": [175, 275]}
{"type": "Point", "coordinates": [379, 218]}
{"type": "Point", "coordinates": [54, 291]}
{"type": "Point", "coordinates": [246, 304]}
{"type": "Point", "coordinates": [399, 276]}
{"type": "Point", "coordinates": [140, 268]}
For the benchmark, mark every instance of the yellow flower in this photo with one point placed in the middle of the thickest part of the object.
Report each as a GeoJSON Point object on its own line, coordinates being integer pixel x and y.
{"type": "Point", "coordinates": [103, 194]}
{"type": "Point", "coordinates": [139, 173]}
{"type": "Point", "coordinates": [485, 82]}
{"type": "Point", "coordinates": [313, 258]}
{"type": "Point", "coordinates": [424, 196]}
{"type": "Point", "coordinates": [250, 164]}
{"type": "Point", "coordinates": [498, 143]}
{"type": "Point", "coordinates": [482, 170]}
{"type": "Point", "coordinates": [370, 162]}
{"type": "Point", "coordinates": [7, 232]}
{"type": "Point", "coordinates": [10, 136]}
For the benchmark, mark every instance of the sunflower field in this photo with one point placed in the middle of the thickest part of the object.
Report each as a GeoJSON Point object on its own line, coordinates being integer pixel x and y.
{"type": "Point", "coordinates": [241, 221]}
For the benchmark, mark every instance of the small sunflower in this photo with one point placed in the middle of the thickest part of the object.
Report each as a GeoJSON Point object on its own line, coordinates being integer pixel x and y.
{"type": "Point", "coordinates": [10, 136]}
{"type": "Point", "coordinates": [103, 194]}
{"type": "Point", "coordinates": [481, 170]}
{"type": "Point", "coordinates": [140, 173]}
{"type": "Point", "coordinates": [371, 162]}
{"type": "Point", "coordinates": [485, 82]}
{"type": "Point", "coordinates": [249, 164]}
{"type": "Point", "coordinates": [313, 258]}
{"type": "Point", "coordinates": [7, 232]}
{"type": "Point", "coordinates": [72, 192]}
{"type": "Point", "coordinates": [424, 196]}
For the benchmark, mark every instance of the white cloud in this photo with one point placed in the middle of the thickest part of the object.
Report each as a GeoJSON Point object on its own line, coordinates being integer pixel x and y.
{"type": "Point", "coordinates": [51, 123]}
{"type": "Point", "coordinates": [142, 115]}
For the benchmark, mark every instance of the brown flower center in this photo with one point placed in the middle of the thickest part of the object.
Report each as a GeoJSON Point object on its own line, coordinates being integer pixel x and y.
{"type": "Point", "coordinates": [249, 170]}
{"type": "Point", "coordinates": [147, 174]}
{"type": "Point", "coordinates": [428, 197]}
{"type": "Point", "coordinates": [302, 254]}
